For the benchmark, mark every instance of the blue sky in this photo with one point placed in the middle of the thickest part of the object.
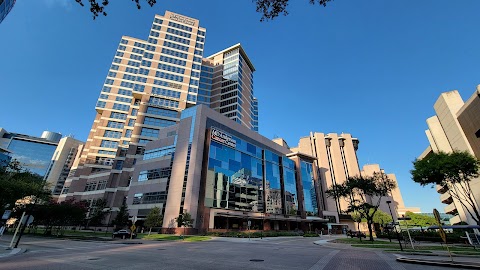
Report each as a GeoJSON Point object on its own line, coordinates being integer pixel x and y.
{"type": "Point", "coordinates": [371, 68]}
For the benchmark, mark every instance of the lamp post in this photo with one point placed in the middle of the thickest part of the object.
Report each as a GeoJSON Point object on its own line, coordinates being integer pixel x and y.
{"type": "Point", "coordinates": [393, 221]}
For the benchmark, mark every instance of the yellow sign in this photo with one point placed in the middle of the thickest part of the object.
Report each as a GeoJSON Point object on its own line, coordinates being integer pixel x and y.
{"type": "Point", "coordinates": [440, 229]}
{"type": "Point", "coordinates": [133, 228]}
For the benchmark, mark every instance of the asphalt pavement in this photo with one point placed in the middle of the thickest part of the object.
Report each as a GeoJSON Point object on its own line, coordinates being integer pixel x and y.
{"type": "Point", "coordinates": [218, 253]}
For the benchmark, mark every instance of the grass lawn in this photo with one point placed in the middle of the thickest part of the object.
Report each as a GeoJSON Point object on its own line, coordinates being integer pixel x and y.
{"type": "Point", "coordinates": [393, 246]}
{"type": "Point", "coordinates": [171, 237]}
{"type": "Point", "coordinates": [41, 232]}
{"type": "Point", "coordinates": [363, 242]}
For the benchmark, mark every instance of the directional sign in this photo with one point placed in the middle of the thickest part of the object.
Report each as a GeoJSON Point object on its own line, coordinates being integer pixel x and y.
{"type": "Point", "coordinates": [30, 220]}
{"type": "Point", "coordinates": [440, 229]}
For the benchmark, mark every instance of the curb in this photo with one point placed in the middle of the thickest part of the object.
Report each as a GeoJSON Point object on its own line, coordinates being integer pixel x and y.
{"type": "Point", "coordinates": [12, 252]}
{"type": "Point", "coordinates": [432, 254]}
{"type": "Point", "coordinates": [440, 263]}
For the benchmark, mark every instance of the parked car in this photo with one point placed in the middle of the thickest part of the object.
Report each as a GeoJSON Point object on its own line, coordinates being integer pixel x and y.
{"type": "Point", "coordinates": [353, 234]}
{"type": "Point", "coordinates": [123, 234]}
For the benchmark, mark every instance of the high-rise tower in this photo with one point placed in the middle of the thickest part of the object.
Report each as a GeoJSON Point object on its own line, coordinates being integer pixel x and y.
{"type": "Point", "coordinates": [232, 86]}
{"type": "Point", "coordinates": [149, 83]}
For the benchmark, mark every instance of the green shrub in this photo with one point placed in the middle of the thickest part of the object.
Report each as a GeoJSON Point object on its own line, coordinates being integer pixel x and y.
{"type": "Point", "coordinates": [254, 234]}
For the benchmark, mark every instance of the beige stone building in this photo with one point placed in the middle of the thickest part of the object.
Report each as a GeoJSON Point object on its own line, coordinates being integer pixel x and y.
{"type": "Point", "coordinates": [62, 161]}
{"type": "Point", "coordinates": [148, 85]}
{"type": "Point", "coordinates": [336, 160]}
{"type": "Point", "coordinates": [455, 126]}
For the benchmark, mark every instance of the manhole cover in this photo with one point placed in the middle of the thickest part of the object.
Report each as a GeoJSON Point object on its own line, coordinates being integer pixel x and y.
{"type": "Point", "coordinates": [161, 249]}
{"type": "Point", "coordinates": [257, 260]}
{"type": "Point", "coordinates": [93, 259]}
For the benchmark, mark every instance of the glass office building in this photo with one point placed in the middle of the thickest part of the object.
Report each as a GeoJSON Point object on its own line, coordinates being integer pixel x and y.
{"type": "Point", "coordinates": [33, 153]}
{"type": "Point", "coordinates": [225, 175]}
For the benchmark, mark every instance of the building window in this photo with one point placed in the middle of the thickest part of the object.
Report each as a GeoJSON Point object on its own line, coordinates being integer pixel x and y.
{"type": "Point", "coordinates": [149, 132]}
{"type": "Point", "coordinates": [112, 134]}
{"type": "Point", "coordinates": [117, 115]}
{"type": "Point", "coordinates": [155, 174]}
{"type": "Point", "coordinates": [158, 122]}
{"type": "Point", "coordinates": [109, 144]}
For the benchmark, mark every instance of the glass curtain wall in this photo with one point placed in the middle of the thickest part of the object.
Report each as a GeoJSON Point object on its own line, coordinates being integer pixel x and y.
{"type": "Point", "coordinates": [309, 193]}
{"type": "Point", "coordinates": [235, 177]}
{"type": "Point", "coordinates": [290, 186]}
{"type": "Point", "coordinates": [273, 188]}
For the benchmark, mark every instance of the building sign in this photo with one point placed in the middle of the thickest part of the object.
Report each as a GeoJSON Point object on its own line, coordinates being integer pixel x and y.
{"type": "Point", "coordinates": [223, 138]}
{"type": "Point", "coordinates": [182, 19]}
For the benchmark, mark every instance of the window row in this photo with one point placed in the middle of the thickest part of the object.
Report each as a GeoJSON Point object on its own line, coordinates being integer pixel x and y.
{"type": "Point", "coordinates": [102, 184]}
{"type": "Point", "coordinates": [115, 124]}
{"type": "Point", "coordinates": [155, 174]}
{"type": "Point", "coordinates": [168, 76]}
{"type": "Point", "coordinates": [175, 46]}
{"type": "Point", "coordinates": [159, 152]}
{"type": "Point", "coordinates": [163, 102]}
{"type": "Point", "coordinates": [150, 132]}
{"type": "Point", "coordinates": [175, 53]}
{"type": "Point", "coordinates": [112, 134]}
{"type": "Point", "coordinates": [171, 68]}
{"type": "Point", "coordinates": [168, 84]}
{"type": "Point", "coordinates": [173, 60]}
{"type": "Point", "coordinates": [117, 115]}
{"type": "Point", "coordinates": [179, 33]}
{"type": "Point", "coordinates": [165, 92]}
{"type": "Point", "coordinates": [151, 197]}
{"type": "Point", "coordinates": [177, 39]}
{"type": "Point", "coordinates": [121, 107]}
{"type": "Point", "coordinates": [109, 144]}
{"type": "Point", "coordinates": [180, 26]}
{"type": "Point", "coordinates": [158, 122]}
{"type": "Point", "coordinates": [123, 99]}
{"type": "Point", "coordinates": [162, 112]}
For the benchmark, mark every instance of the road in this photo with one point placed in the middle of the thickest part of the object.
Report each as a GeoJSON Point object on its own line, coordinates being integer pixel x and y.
{"type": "Point", "coordinates": [273, 253]}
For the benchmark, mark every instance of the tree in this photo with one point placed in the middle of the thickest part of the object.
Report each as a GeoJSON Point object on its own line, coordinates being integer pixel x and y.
{"type": "Point", "coordinates": [154, 219]}
{"type": "Point", "coordinates": [184, 220]}
{"type": "Point", "coordinates": [17, 182]}
{"type": "Point", "coordinates": [58, 215]}
{"type": "Point", "coordinates": [454, 170]}
{"type": "Point", "coordinates": [97, 213]}
{"type": "Point", "coordinates": [122, 216]}
{"type": "Point", "coordinates": [382, 218]}
{"type": "Point", "coordinates": [419, 220]}
{"type": "Point", "coordinates": [363, 195]}
{"type": "Point", "coordinates": [270, 9]}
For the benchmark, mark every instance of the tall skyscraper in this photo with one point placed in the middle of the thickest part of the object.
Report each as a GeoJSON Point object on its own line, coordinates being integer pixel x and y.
{"type": "Point", "coordinates": [149, 83]}
{"type": "Point", "coordinates": [232, 86]}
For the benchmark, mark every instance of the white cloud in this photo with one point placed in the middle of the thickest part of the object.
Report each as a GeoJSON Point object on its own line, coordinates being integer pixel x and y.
{"type": "Point", "coordinates": [66, 4]}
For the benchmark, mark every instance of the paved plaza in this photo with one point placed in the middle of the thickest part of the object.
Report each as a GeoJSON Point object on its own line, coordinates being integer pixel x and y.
{"type": "Point", "coordinates": [219, 253]}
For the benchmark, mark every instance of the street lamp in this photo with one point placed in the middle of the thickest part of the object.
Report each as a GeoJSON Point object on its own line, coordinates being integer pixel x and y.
{"type": "Point", "coordinates": [393, 221]}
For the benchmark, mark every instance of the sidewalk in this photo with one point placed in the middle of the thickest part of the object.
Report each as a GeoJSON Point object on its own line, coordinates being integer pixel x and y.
{"type": "Point", "coordinates": [5, 252]}
{"type": "Point", "coordinates": [435, 258]}
{"type": "Point", "coordinates": [471, 262]}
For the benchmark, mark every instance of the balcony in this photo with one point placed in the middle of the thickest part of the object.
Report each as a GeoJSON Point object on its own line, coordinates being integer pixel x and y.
{"type": "Point", "coordinates": [451, 209]}
{"type": "Point", "coordinates": [446, 198]}
{"type": "Point", "coordinates": [442, 189]}
{"type": "Point", "coordinates": [455, 220]}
